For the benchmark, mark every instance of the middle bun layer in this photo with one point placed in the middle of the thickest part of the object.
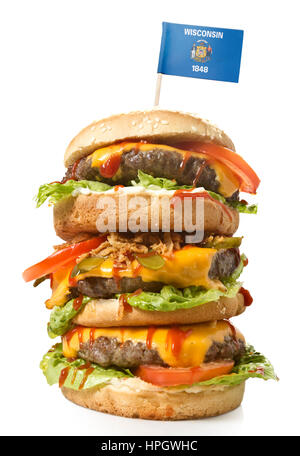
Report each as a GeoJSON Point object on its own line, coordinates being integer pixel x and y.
{"type": "Point", "coordinates": [102, 313]}
{"type": "Point", "coordinates": [79, 214]}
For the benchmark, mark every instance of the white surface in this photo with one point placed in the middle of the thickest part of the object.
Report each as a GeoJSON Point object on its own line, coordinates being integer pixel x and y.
{"type": "Point", "coordinates": [66, 63]}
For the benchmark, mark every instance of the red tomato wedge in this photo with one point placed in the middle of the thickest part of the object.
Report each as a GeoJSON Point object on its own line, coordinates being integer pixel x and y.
{"type": "Point", "coordinates": [172, 376]}
{"type": "Point", "coordinates": [61, 259]}
{"type": "Point", "coordinates": [249, 181]}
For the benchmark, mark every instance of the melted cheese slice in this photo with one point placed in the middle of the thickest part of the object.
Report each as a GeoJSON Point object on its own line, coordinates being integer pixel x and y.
{"type": "Point", "coordinates": [228, 181]}
{"type": "Point", "coordinates": [187, 267]}
{"type": "Point", "coordinates": [184, 346]}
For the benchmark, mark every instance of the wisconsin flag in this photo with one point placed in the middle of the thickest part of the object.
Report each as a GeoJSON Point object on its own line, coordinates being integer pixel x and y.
{"type": "Point", "coordinates": [200, 52]}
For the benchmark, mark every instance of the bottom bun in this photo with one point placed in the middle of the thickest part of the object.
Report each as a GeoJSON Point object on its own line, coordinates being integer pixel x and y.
{"type": "Point", "coordinates": [133, 398]}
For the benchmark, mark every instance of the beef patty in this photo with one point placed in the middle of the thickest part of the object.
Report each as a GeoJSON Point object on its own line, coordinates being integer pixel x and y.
{"type": "Point", "coordinates": [158, 162]}
{"type": "Point", "coordinates": [223, 264]}
{"type": "Point", "coordinates": [107, 351]}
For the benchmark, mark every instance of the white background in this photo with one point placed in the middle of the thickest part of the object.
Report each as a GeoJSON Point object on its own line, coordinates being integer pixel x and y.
{"type": "Point", "coordinates": [66, 63]}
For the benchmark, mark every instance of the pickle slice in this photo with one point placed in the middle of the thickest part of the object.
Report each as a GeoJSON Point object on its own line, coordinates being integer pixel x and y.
{"type": "Point", "coordinates": [86, 265]}
{"type": "Point", "coordinates": [151, 261]}
{"type": "Point", "coordinates": [220, 242]}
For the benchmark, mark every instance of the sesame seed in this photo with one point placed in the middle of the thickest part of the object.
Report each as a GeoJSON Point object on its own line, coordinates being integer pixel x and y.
{"type": "Point", "coordinates": [155, 125]}
{"type": "Point", "coordinates": [194, 128]}
{"type": "Point", "coordinates": [140, 126]}
{"type": "Point", "coordinates": [149, 121]}
{"type": "Point", "coordinates": [157, 119]}
{"type": "Point", "coordinates": [133, 123]}
{"type": "Point", "coordinates": [103, 129]}
{"type": "Point", "coordinates": [93, 127]}
{"type": "Point", "coordinates": [102, 125]}
{"type": "Point", "coordinates": [164, 122]}
{"type": "Point", "coordinates": [93, 138]}
{"type": "Point", "coordinates": [109, 127]}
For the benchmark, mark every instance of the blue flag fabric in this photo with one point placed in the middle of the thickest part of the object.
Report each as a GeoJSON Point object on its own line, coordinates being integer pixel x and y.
{"type": "Point", "coordinates": [200, 52]}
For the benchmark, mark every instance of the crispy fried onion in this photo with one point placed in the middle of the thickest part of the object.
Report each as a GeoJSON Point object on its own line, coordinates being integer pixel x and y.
{"type": "Point", "coordinates": [121, 247]}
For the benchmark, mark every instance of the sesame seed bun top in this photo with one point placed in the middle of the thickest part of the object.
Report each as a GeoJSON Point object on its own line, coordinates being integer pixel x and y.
{"type": "Point", "coordinates": [156, 125]}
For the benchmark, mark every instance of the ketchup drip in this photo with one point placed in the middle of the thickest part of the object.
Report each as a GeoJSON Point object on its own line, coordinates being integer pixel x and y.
{"type": "Point", "coordinates": [130, 256]}
{"type": "Point", "coordinates": [248, 300]}
{"type": "Point", "coordinates": [110, 167]}
{"type": "Point", "coordinates": [123, 301]}
{"type": "Point", "coordinates": [199, 172]}
{"type": "Point", "coordinates": [77, 302]}
{"type": "Point", "coordinates": [137, 270]}
{"type": "Point", "coordinates": [92, 336]}
{"type": "Point", "coordinates": [175, 339]}
{"type": "Point", "coordinates": [74, 376]}
{"type": "Point", "coordinates": [63, 376]}
{"type": "Point", "coordinates": [138, 266]}
{"type": "Point", "coordinates": [117, 269]}
{"type": "Point", "coordinates": [68, 336]}
{"type": "Point", "coordinates": [186, 157]}
{"type": "Point", "coordinates": [137, 292]}
{"type": "Point", "coordinates": [117, 187]}
{"type": "Point", "coordinates": [78, 330]}
{"type": "Point", "coordinates": [116, 273]}
{"type": "Point", "coordinates": [80, 334]}
{"type": "Point", "coordinates": [73, 172]}
{"type": "Point", "coordinates": [74, 168]}
{"type": "Point", "coordinates": [150, 334]}
{"type": "Point", "coordinates": [89, 370]}
{"type": "Point", "coordinates": [84, 366]}
{"type": "Point", "coordinates": [87, 373]}
{"type": "Point", "coordinates": [186, 193]}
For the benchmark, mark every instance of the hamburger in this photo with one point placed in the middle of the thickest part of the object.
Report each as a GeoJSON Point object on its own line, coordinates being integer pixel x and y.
{"type": "Point", "coordinates": [142, 301]}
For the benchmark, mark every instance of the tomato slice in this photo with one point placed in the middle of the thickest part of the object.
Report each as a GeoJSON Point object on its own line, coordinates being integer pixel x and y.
{"type": "Point", "coordinates": [61, 258]}
{"type": "Point", "coordinates": [249, 181]}
{"type": "Point", "coordinates": [172, 376]}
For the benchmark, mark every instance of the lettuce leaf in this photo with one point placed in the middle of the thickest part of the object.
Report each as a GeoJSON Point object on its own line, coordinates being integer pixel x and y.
{"type": "Point", "coordinates": [61, 317]}
{"type": "Point", "coordinates": [56, 191]}
{"type": "Point", "coordinates": [240, 206]}
{"type": "Point", "coordinates": [171, 298]}
{"type": "Point", "coordinates": [54, 361]}
{"type": "Point", "coordinates": [244, 207]}
{"type": "Point", "coordinates": [157, 183]}
{"type": "Point", "coordinates": [251, 365]}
